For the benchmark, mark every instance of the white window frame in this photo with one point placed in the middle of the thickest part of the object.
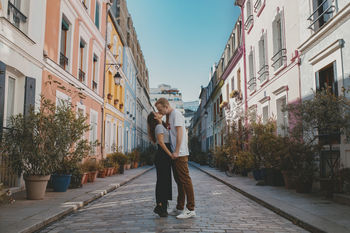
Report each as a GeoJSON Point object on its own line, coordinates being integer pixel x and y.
{"type": "Point", "coordinates": [279, 16]}
{"type": "Point", "coordinates": [95, 113]}
{"type": "Point", "coordinates": [281, 131]}
{"type": "Point", "coordinates": [62, 96]}
{"type": "Point", "coordinates": [100, 15]}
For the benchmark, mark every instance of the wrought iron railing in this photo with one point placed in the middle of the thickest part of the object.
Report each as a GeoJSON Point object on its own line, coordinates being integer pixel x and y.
{"type": "Point", "coordinates": [322, 14]}
{"type": "Point", "coordinates": [263, 73]}
{"type": "Point", "coordinates": [84, 4]}
{"type": "Point", "coordinates": [81, 76]}
{"type": "Point", "coordinates": [248, 22]}
{"type": "Point", "coordinates": [279, 58]}
{"type": "Point", "coordinates": [257, 5]}
{"type": "Point", "coordinates": [63, 61]}
{"type": "Point", "coordinates": [252, 84]}
{"type": "Point", "coordinates": [17, 15]}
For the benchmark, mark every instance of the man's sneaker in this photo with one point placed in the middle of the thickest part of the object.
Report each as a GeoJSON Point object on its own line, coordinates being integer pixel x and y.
{"type": "Point", "coordinates": [160, 211]}
{"type": "Point", "coordinates": [175, 212]}
{"type": "Point", "coordinates": [186, 214]}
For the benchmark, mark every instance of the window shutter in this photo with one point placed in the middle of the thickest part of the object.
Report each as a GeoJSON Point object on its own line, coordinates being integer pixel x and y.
{"type": "Point", "coordinates": [65, 25]}
{"type": "Point", "coordinates": [275, 36]}
{"type": "Point", "coordinates": [317, 79]}
{"type": "Point", "coordinates": [335, 78]}
{"type": "Point", "coordinates": [29, 96]}
{"type": "Point", "coordinates": [97, 15]}
{"type": "Point", "coordinates": [2, 94]}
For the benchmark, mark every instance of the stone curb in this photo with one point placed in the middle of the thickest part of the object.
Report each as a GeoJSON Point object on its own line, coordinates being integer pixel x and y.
{"type": "Point", "coordinates": [293, 219]}
{"type": "Point", "coordinates": [36, 227]}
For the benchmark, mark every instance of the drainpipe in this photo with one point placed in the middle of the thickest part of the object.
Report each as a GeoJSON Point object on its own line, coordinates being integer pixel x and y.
{"type": "Point", "coordinates": [241, 5]}
{"type": "Point", "coordinates": [108, 4]}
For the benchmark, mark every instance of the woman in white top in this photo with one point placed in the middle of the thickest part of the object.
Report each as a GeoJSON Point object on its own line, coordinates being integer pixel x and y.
{"type": "Point", "coordinates": [158, 133]}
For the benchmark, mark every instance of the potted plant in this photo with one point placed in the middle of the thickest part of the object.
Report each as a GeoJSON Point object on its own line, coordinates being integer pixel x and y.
{"type": "Point", "coordinates": [102, 171]}
{"type": "Point", "coordinates": [29, 144]}
{"type": "Point", "coordinates": [135, 157]}
{"type": "Point", "coordinates": [120, 159]}
{"type": "Point", "coordinates": [70, 147]}
{"type": "Point", "coordinates": [91, 167]}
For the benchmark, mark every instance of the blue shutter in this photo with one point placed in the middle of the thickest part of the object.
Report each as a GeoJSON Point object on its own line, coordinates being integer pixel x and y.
{"type": "Point", "coordinates": [2, 94]}
{"type": "Point", "coordinates": [97, 15]}
{"type": "Point", "coordinates": [29, 96]}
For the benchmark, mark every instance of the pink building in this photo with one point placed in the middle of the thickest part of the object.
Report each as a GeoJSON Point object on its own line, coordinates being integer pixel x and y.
{"type": "Point", "coordinates": [74, 55]}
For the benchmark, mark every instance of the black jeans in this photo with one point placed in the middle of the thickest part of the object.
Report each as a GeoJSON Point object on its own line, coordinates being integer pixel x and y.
{"type": "Point", "coordinates": [163, 167]}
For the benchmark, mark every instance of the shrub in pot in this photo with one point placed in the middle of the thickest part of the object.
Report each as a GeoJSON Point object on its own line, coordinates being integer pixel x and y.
{"type": "Point", "coordinates": [29, 144]}
{"type": "Point", "coordinates": [244, 162]}
{"type": "Point", "coordinates": [91, 167]}
{"type": "Point", "coordinates": [120, 159]}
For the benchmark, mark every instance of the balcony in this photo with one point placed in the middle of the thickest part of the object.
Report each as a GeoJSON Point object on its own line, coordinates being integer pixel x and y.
{"type": "Point", "coordinates": [248, 22]}
{"type": "Point", "coordinates": [263, 73]}
{"type": "Point", "coordinates": [63, 61]}
{"type": "Point", "coordinates": [84, 4]}
{"type": "Point", "coordinates": [257, 5]}
{"type": "Point", "coordinates": [252, 84]}
{"type": "Point", "coordinates": [15, 16]}
{"type": "Point", "coordinates": [279, 58]}
{"type": "Point", "coordinates": [81, 76]}
{"type": "Point", "coordinates": [322, 14]}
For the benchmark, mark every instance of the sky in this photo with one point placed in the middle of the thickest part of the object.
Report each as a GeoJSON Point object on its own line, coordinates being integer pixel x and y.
{"type": "Point", "coordinates": [182, 39]}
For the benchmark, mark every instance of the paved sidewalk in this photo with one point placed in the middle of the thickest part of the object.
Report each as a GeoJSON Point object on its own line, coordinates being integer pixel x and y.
{"type": "Point", "coordinates": [29, 216]}
{"type": "Point", "coordinates": [314, 213]}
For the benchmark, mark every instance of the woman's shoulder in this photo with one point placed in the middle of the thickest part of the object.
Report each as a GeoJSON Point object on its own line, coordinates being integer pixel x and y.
{"type": "Point", "coordinates": [160, 127]}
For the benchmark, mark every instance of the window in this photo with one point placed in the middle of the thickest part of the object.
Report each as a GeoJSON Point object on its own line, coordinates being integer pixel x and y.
{"type": "Point", "coordinates": [228, 92]}
{"type": "Point", "coordinates": [279, 51]}
{"type": "Point", "coordinates": [62, 98]}
{"type": "Point", "coordinates": [95, 73]}
{"type": "Point", "coordinates": [232, 84]}
{"type": "Point", "coordinates": [93, 129]}
{"type": "Point", "coordinates": [16, 15]}
{"type": "Point", "coordinates": [252, 114]}
{"type": "Point", "coordinates": [249, 20]}
{"type": "Point", "coordinates": [239, 80]}
{"type": "Point", "coordinates": [322, 12]}
{"type": "Point", "coordinates": [326, 77]}
{"type": "Point", "coordinates": [82, 59]}
{"type": "Point", "coordinates": [115, 42]}
{"type": "Point", "coordinates": [97, 14]}
{"type": "Point", "coordinates": [265, 112]}
{"type": "Point", "coordinates": [109, 33]}
{"type": "Point", "coordinates": [85, 3]}
{"type": "Point", "coordinates": [263, 67]}
{"type": "Point", "coordinates": [108, 136]}
{"type": "Point", "coordinates": [10, 98]}
{"type": "Point", "coordinates": [282, 116]}
{"type": "Point", "coordinates": [252, 79]}
{"type": "Point", "coordinates": [65, 29]}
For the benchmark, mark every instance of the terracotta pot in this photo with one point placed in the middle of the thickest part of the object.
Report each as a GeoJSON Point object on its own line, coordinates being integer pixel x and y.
{"type": "Point", "coordinates": [36, 186]}
{"type": "Point", "coordinates": [102, 173]}
{"type": "Point", "coordinates": [128, 166]}
{"type": "Point", "coordinates": [84, 178]}
{"type": "Point", "coordinates": [136, 164]}
{"type": "Point", "coordinates": [92, 176]}
{"type": "Point", "coordinates": [289, 180]}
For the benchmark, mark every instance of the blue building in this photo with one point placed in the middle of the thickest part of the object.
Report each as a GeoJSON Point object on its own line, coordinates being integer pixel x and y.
{"type": "Point", "coordinates": [130, 71]}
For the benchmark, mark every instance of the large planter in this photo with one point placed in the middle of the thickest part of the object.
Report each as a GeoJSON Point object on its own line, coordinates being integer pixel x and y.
{"type": "Point", "coordinates": [303, 186]}
{"type": "Point", "coordinates": [60, 183]}
{"type": "Point", "coordinates": [92, 176]}
{"type": "Point", "coordinates": [258, 174]}
{"type": "Point", "coordinates": [274, 177]}
{"type": "Point", "coordinates": [121, 169]}
{"type": "Point", "coordinates": [84, 178]}
{"type": "Point", "coordinates": [36, 186]}
{"type": "Point", "coordinates": [136, 164]}
{"type": "Point", "coordinates": [289, 180]}
{"type": "Point", "coordinates": [110, 171]}
{"type": "Point", "coordinates": [102, 173]}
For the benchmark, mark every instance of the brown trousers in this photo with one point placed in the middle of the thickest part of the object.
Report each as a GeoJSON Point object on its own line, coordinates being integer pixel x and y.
{"type": "Point", "coordinates": [184, 183]}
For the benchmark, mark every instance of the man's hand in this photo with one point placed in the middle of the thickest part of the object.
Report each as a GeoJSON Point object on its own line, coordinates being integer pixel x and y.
{"type": "Point", "coordinates": [175, 155]}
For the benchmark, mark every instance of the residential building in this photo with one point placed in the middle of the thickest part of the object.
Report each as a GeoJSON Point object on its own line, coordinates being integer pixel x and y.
{"type": "Point", "coordinates": [74, 60]}
{"type": "Point", "coordinates": [114, 98]}
{"type": "Point", "coordinates": [22, 35]}
{"type": "Point", "coordinates": [325, 58]}
{"type": "Point", "coordinates": [173, 95]}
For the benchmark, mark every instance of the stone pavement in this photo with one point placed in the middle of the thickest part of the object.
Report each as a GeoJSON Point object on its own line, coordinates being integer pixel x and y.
{"type": "Point", "coordinates": [130, 209]}
{"type": "Point", "coordinates": [314, 213]}
{"type": "Point", "coordinates": [29, 216]}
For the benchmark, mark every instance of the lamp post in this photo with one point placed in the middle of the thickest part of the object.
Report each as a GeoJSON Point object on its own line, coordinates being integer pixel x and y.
{"type": "Point", "coordinates": [117, 78]}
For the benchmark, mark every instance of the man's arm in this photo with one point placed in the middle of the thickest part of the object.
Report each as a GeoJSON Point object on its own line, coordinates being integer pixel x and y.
{"type": "Point", "coordinates": [179, 137]}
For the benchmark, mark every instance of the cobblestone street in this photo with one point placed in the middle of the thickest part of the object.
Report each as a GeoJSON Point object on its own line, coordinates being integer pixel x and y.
{"type": "Point", "coordinates": [130, 209]}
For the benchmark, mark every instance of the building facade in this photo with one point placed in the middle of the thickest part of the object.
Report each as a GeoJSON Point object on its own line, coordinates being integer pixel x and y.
{"type": "Point", "coordinates": [173, 95]}
{"type": "Point", "coordinates": [114, 98]}
{"type": "Point", "coordinates": [22, 36]}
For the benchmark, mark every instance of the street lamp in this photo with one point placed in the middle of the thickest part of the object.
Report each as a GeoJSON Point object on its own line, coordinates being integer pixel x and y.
{"type": "Point", "coordinates": [117, 78]}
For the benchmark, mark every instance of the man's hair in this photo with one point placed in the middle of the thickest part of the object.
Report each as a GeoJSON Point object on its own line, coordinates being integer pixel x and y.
{"type": "Point", "coordinates": [162, 101]}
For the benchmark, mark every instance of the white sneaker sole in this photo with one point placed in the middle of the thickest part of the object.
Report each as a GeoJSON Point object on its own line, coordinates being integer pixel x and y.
{"type": "Point", "coordinates": [186, 216]}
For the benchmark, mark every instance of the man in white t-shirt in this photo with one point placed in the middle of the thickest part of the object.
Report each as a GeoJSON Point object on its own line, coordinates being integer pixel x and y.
{"type": "Point", "coordinates": [178, 142]}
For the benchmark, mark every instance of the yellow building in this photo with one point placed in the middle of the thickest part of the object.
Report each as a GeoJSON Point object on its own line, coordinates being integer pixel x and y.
{"type": "Point", "coordinates": [114, 88]}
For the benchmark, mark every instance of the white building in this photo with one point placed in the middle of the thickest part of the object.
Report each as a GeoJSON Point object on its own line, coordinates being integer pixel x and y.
{"type": "Point", "coordinates": [173, 95]}
{"type": "Point", "coordinates": [325, 55]}
{"type": "Point", "coordinates": [22, 25]}
{"type": "Point", "coordinates": [271, 37]}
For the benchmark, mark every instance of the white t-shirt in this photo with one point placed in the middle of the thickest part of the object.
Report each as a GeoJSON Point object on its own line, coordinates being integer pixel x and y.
{"type": "Point", "coordinates": [177, 119]}
{"type": "Point", "coordinates": [160, 129]}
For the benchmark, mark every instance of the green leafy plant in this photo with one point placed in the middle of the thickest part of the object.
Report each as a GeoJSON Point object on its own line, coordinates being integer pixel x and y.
{"type": "Point", "coordinates": [5, 195]}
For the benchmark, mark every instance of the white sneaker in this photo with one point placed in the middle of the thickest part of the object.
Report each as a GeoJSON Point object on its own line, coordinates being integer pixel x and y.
{"type": "Point", "coordinates": [175, 212]}
{"type": "Point", "coordinates": [186, 214]}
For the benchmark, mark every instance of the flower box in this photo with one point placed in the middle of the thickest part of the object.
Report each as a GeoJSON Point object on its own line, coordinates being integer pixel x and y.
{"type": "Point", "coordinates": [109, 96]}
